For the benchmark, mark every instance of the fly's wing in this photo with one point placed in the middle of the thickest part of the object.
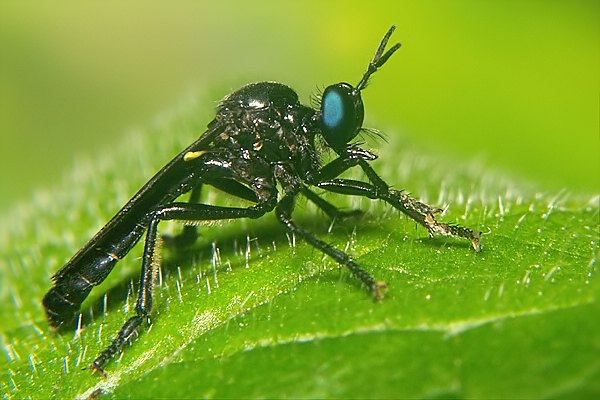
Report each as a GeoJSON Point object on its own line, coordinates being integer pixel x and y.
{"type": "Point", "coordinates": [123, 231]}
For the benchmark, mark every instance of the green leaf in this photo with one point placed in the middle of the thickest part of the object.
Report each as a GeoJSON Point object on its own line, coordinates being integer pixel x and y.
{"type": "Point", "coordinates": [250, 312]}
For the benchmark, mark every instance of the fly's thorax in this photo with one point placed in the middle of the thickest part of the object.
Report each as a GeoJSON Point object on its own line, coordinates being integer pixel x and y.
{"type": "Point", "coordinates": [266, 121]}
{"type": "Point", "coordinates": [260, 96]}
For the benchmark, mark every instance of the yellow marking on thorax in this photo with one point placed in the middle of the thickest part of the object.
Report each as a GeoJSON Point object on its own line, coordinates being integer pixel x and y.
{"type": "Point", "coordinates": [258, 145]}
{"type": "Point", "coordinates": [192, 155]}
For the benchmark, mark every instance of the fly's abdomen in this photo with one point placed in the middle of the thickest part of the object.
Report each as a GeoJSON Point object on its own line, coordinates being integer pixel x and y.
{"type": "Point", "coordinates": [73, 285]}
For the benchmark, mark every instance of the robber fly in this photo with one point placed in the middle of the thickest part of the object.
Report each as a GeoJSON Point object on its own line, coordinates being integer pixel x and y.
{"type": "Point", "coordinates": [261, 137]}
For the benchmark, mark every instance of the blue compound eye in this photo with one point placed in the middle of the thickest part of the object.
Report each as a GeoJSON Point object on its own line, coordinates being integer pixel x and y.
{"type": "Point", "coordinates": [341, 114]}
{"type": "Point", "coordinates": [333, 109]}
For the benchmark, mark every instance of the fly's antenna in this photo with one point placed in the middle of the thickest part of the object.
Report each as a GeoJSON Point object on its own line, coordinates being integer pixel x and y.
{"type": "Point", "coordinates": [378, 60]}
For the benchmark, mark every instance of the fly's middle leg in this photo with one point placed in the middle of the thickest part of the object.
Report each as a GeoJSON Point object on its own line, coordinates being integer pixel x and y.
{"type": "Point", "coordinates": [332, 211]}
{"type": "Point", "coordinates": [284, 214]}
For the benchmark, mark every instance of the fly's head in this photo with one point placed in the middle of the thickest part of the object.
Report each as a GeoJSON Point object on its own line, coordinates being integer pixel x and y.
{"type": "Point", "coordinates": [342, 111]}
{"type": "Point", "coordinates": [342, 114]}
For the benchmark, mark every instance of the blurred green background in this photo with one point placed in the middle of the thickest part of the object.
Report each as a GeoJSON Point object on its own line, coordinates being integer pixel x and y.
{"type": "Point", "coordinates": [512, 83]}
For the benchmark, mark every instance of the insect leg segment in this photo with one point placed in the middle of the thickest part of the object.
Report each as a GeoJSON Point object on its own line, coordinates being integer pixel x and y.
{"type": "Point", "coordinates": [128, 331]}
{"type": "Point", "coordinates": [332, 211]}
{"type": "Point", "coordinates": [378, 189]}
{"type": "Point", "coordinates": [284, 214]}
{"type": "Point", "coordinates": [173, 211]}
{"type": "Point", "coordinates": [234, 188]}
{"type": "Point", "coordinates": [418, 211]}
{"type": "Point", "coordinates": [189, 233]}
{"type": "Point", "coordinates": [351, 158]}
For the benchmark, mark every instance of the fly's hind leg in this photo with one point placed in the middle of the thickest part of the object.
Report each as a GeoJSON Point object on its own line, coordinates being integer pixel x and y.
{"type": "Point", "coordinates": [189, 233]}
{"type": "Point", "coordinates": [174, 211]}
{"type": "Point", "coordinates": [128, 331]}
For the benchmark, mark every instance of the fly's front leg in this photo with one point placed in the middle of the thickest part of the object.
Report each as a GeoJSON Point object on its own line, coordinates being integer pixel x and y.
{"type": "Point", "coordinates": [351, 158]}
{"type": "Point", "coordinates": [284, 214]}
{"type": "Point", "coordinates": [378, 189]}
{"type": "Point", "coordinates": [174, 211]}
{"type": "Point", "coordinates": [420, 212]}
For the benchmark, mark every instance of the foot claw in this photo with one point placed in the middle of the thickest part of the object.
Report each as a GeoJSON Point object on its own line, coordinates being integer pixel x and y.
{"type": "Point", "coordinates": [475, 242]}
{"type": "Point", "coordinates": [378, 290]}
{"type": "Point", "coordinates": [97, 369]}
